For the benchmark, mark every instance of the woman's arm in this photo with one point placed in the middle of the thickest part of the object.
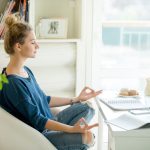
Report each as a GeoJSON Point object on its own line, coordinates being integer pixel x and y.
{"type": "Point", "coordinates": [59, 101]}
{"type": "Point", "coordinates": [57, 126]}
{"type": "Point", "coordinates": [77, 128]}
{"type": "Point", "coordinates": [85, 94]}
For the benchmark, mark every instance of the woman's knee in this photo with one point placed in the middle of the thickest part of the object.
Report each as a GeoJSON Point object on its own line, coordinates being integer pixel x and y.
{"type": "Point", "coordinates": [88, 138]}
{"type": "Point", "coordinates": [90, 107]}
{"type": "Point", "coordinates": [90, 112]}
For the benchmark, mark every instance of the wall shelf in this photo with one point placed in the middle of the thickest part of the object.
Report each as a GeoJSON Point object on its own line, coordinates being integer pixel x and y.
{"type": "Point", "coordinates": [58, 54]}
{"type": "Point", "coordinates": [58, 40]}
{"type": "Point", "coordinates": [53, 41]}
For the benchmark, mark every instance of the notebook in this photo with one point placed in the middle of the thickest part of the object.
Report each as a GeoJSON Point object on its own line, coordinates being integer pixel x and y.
{"type": "Point", "coordinates": [119, 103]}
{"type": "Point", "coordinates": [130, 122]}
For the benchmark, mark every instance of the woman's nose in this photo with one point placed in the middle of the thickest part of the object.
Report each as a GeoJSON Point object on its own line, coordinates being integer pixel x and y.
{"type": "Point", "coordinates": [37, 45]}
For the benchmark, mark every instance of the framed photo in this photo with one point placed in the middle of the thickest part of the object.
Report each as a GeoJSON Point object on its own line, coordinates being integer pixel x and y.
{"type": "Point", "coordinates": [53, 28]}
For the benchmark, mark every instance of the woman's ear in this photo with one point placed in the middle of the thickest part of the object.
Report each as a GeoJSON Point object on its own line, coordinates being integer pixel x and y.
{"type": "Point", "coordinates": [17, 47]}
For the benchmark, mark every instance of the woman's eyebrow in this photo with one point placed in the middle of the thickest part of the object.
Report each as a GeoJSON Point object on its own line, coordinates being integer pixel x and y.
{"type": "Point", "coordinates": [32, 39]}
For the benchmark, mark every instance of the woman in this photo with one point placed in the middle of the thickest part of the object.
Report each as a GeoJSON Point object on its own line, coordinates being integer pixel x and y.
{"type": "Point", "coordinates": [23, 97]}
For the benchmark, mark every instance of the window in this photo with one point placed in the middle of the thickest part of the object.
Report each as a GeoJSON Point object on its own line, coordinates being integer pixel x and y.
{"type": "Point", "coordinates": [133, 10]}
{"type": "Point", "coordinates": [123, 60]}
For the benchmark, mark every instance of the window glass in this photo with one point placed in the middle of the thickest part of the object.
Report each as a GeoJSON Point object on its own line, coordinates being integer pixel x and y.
{"type": "Point", "coordinates": [126, 9]}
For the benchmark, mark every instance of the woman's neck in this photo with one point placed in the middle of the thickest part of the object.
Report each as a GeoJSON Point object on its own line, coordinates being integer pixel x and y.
{"type": "Point", "coordinates": [16, 66]}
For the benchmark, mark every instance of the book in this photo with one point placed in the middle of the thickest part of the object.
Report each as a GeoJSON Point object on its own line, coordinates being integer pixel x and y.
{"type": "Point", "coordinates": [7, 11]}
{"type": "Point", "coordinates": [128, 121]}
{"type": "Point", "coordinates": [20, 7]}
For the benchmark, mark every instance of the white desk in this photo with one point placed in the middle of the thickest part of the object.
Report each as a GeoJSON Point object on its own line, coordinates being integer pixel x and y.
{"type": "Point", "coordinates": [119, 139]}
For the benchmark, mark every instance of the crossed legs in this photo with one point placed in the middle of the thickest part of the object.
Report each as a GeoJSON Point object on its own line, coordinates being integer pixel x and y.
{"type": "Point", "coordinates": [72, 141]}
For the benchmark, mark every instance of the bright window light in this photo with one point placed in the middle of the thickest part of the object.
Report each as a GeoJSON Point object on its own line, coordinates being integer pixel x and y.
{"type": "Point", "coordinates": [123, 60]}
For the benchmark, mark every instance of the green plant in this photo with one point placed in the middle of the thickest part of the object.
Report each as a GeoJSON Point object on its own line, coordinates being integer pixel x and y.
{"type": "Point", "coordinates": [3, 79]}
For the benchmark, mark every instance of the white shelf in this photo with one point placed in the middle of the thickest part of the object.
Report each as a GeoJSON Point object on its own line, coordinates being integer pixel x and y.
{"type": "Point", "coordinates": [53, 41]}
{"type": "Point", "coordinates": [58, 40]}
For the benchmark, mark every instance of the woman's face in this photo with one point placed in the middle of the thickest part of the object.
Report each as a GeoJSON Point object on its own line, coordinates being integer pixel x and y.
{"type": "Point", "coordinates": [30, 46]}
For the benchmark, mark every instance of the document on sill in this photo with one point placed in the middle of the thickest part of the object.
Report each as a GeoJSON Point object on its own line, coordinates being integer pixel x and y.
{"type": "Point", "coordinates": [128, 121]}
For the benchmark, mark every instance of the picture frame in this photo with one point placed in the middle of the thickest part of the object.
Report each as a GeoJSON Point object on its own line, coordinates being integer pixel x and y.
{"type": "Point", "coordinates": [53, 28]}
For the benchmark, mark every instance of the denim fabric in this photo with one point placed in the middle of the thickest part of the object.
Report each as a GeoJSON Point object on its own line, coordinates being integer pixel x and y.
{"type": "Point", "coordinates": [70, 115]}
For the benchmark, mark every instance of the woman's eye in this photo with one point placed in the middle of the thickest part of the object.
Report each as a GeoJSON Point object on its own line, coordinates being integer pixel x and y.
{"type": "Point", "coordinates": [33, 42]}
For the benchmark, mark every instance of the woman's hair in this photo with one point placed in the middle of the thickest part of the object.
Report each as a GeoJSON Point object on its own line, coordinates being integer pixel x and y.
{"type": "Point", "coordinates": [15, 32]}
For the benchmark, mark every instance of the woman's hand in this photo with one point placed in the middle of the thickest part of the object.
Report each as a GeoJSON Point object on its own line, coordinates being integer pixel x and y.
{"type": "Point", "coordinates": [86, 94]}
{"type": "Point", "coordinates": [81, 126]}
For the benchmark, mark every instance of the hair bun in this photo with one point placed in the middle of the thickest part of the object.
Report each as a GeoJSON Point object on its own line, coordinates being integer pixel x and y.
{"type": "Point", "coordinates": [10, 20]}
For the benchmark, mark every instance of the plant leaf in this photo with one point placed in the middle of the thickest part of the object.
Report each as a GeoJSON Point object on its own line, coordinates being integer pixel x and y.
{"type": "Point", "coordinates": [0, 78]}
{"type": "Point", "coordinates": [1, 85]}
{"type": "Point", "coordinates": [4, 78]}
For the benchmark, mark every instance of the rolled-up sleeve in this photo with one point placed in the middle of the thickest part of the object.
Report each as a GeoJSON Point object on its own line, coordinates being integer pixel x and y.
{"type": "Point", "coordinates": [31, 112]}
{"type": "Point", "coordinates": [48, 99]}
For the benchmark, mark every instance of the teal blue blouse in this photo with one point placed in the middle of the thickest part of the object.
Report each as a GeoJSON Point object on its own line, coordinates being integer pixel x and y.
{"type": "Point", "coordinates": [24, 99]}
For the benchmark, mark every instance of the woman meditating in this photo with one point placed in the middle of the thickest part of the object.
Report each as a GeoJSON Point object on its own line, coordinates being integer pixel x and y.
{"type": "Point", "coordinates": [23, 97]}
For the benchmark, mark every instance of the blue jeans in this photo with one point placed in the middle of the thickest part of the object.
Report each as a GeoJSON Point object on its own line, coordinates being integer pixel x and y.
{"type": "Point", "coordinates": [69, 116]}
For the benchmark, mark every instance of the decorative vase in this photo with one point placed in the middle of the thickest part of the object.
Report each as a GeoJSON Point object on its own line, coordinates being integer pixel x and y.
{"type": "Point", "coordinates": [147, 87]}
